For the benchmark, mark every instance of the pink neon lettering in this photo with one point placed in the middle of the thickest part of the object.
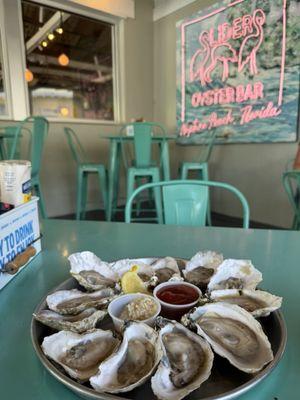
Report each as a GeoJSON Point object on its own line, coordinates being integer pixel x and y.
{"type": "Point", "coordinates": [215, 121]}
{"type": "Point", "coordinates": [228, 95]}
{"type": "Point", "coordinates": [248, 114]}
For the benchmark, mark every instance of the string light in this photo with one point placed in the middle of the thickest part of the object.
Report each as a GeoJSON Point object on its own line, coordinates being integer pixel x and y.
{"type": "Point", "coordinates": [64, 111]}
{"type": "Point", "coordinates": [63, 60]}
{"type": "Point", "coordinates": [60, 30]}
{"type": "Point", "coordinates": [44, 43]}
{"type": "Point", "coordinates": [51, 36]}
{"type": "Point", "coordinates": [28, 75]}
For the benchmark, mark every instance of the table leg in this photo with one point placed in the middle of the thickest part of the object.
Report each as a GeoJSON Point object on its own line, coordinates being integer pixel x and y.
{"type": "Point", "coordinates": [111, 176]}
{"type": "Point", "coordinates": [165, 159]}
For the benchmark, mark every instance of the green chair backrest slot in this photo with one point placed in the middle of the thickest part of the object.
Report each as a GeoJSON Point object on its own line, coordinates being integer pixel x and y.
{"type": "Point", "coordinates": [185, 205]}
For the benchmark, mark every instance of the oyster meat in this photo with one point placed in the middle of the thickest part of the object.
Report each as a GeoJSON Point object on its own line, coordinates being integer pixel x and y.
{"type": "Point", "coordinates": [186, 363]}
{"type": "Point", "coordinates": [79, 323]}
{"type": "Point", "coordinates": [80, 355]}
{"type": "Point", "coordinates": [145, 271]}
{"type": "Point", "coordinates": [165, 269]}
{"type": "Point", "coordinates": [133, 363]}
{"type": "Point", "coordinates": [259, 303]}
{"type": "Point", "coordinates": [235, 274]}
{"type": "Point", "coordinates": [91, 272]}
{"type": "Point", "coordinates": [74, 301]}
{"type": "Point", "coordinates": [234, 334]}
{"type": "Point", "coordinates": [202, 267]}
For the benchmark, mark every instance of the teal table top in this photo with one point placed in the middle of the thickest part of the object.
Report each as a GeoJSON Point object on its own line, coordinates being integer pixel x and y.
{"type": "Point", "coordinates": [275, 253]}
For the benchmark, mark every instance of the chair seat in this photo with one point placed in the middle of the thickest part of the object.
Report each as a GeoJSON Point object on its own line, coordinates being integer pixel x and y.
{"type": "Point", "coordinates": [149, 171]}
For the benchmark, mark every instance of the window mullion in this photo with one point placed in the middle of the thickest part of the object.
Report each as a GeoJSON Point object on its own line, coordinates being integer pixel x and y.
{"type": "Point", "coordinates": [13, 36]}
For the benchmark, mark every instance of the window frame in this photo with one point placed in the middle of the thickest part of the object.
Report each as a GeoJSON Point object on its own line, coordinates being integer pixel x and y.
{"type": "Point", "coordinates": [23, 95]}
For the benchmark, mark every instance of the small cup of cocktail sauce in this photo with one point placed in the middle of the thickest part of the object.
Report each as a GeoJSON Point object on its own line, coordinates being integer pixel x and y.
{"type": "Point", "coordinates": [176, 298]}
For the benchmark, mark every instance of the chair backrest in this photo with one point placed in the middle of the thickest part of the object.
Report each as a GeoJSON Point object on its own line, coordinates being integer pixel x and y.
{"type": "Point", "coordinates": [77, 150]}
{"type": "Point", "coordinates": [185, 201]}
{"type": "Point", "coordinates": [142, 136]}
{"type": "Point", "coordinates": [38, 132]}
{"type": "Point", "coordinates": [291, 184]}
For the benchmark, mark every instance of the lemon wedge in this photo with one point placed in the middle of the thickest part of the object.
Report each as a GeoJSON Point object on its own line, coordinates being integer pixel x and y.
{"type": "Point", "coordinates": [131, 282]}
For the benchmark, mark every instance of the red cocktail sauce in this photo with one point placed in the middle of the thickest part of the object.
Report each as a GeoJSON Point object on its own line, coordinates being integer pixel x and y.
{"type": "Point", "coordinates": [177, 294]}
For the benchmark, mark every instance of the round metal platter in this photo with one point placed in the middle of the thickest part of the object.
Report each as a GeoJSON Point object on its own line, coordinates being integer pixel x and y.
{"type": "Point", "coordinates": [226, 382]}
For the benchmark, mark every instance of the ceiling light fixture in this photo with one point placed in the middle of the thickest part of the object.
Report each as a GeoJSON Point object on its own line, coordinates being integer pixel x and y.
{"type": "Point", "coordinates": [28, 75]}
{"type": "Point", "coordinates": [63, 60]}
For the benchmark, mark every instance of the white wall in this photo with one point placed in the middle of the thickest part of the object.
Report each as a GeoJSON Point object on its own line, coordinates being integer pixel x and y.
{"type": "Point", "coordinates": [255, 169]}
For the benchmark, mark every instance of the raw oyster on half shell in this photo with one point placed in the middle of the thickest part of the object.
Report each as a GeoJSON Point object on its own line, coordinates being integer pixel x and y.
{"type": "Point", "coordinates": [259, 303]}
{"type": "Point", "coordinates": [165, 268]}
{"type": "Point", "coordinates": [186, 364]}
{"type": "Point", "coordinates": [234, 334]}
{"type": "Point", "coordinates": [74, 301]}
{"type": "Point", "coordinates": [133, 363]}
{"type": "Point", "coordinates": [235, 274]}
{"type": "Point", "coordinates": [202, 267]}
{"type": "Point", "coordinates": [91, 272]}
{"type": "Point", "coordinates": [79, 323]}
{"type": "Point", "coordinates": [145, 271]}
{"type": "Point", "coordinates": [80, 355]}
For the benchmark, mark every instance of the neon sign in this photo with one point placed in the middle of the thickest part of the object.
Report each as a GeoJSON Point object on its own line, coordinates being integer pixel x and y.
{"type": "Point", "coordinates": [232, 77]}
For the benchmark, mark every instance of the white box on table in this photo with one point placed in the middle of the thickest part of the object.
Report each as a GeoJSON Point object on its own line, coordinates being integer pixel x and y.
{"type": "Point", "coordinates": [18, 229]}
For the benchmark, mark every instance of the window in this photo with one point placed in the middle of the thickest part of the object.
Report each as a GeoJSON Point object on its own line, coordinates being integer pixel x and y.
{"type": "Point", "coordinates": [69, 64]}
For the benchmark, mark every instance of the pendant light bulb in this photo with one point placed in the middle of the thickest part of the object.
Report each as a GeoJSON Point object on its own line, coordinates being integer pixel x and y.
{"type": "Point", "coordinates": [63, 60]}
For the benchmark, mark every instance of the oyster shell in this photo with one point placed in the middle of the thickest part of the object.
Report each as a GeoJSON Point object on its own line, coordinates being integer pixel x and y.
{"type": "Point", "coordinates": [165, 268]}
{"type": "Point", "coordinates": [145, 271]}
{"type": "Point", "coordinates": [80, 355]}
{"type": "Point", "coordinates": [91, 272]}
{"type": "Point", "coordinates": [234, 334]}
{"type": "Point", "coordinates": [79, 323]}
{"type": "Point", "coordinates": [202, 267]}
{"type": "Point", "coordinates": [235, 274]}
{"type": "Point", "coordinates": [133, 363]}
{"type": "Point", "coordinates": [259, 303]}
{"type": "Point", "coordinates": [74, 301]}
{"type": "Point", "coordinates": [186, 363]}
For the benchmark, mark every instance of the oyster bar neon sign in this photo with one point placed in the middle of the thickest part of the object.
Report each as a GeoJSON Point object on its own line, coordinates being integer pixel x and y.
{"type": "Point", "coordinates": [217, 55]}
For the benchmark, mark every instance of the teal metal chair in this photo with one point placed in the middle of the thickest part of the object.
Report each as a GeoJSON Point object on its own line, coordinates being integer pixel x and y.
{"type": "Point", "coordinates": [291, 184]}
{"type": "Point", "coordinates": [37, 131]}
{"type": "Point", "coordinates": [185, 201]}
{"type": "Point", "coordinates": [201, 165]}
{"type": "Point", "coordinates": [84, 168]}
{"type": "Point", "coordinates": [142, 166]}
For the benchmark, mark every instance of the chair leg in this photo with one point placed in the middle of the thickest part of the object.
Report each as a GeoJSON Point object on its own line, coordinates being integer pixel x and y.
{"type": "Point", "coordinates": [157, 198]}
{"type": "Point", "coordinates": [79, 194]}
{"type": "Point", "coordinates": [204, 175]}
{"type": "Point", "coordinates": [184, 172]}
{"type": "Point", "coordinates": [84, 191]}
{"type": "Point", "coordinates": [130, 183]}
{"type": "Point", "coordinates": [38, 191]}
{"type": "Point", "coordinates": [103, 188]}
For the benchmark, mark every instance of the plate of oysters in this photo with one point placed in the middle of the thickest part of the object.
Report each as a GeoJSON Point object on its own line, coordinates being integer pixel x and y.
{"type": "Point", "coordinates": [160, 328]}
